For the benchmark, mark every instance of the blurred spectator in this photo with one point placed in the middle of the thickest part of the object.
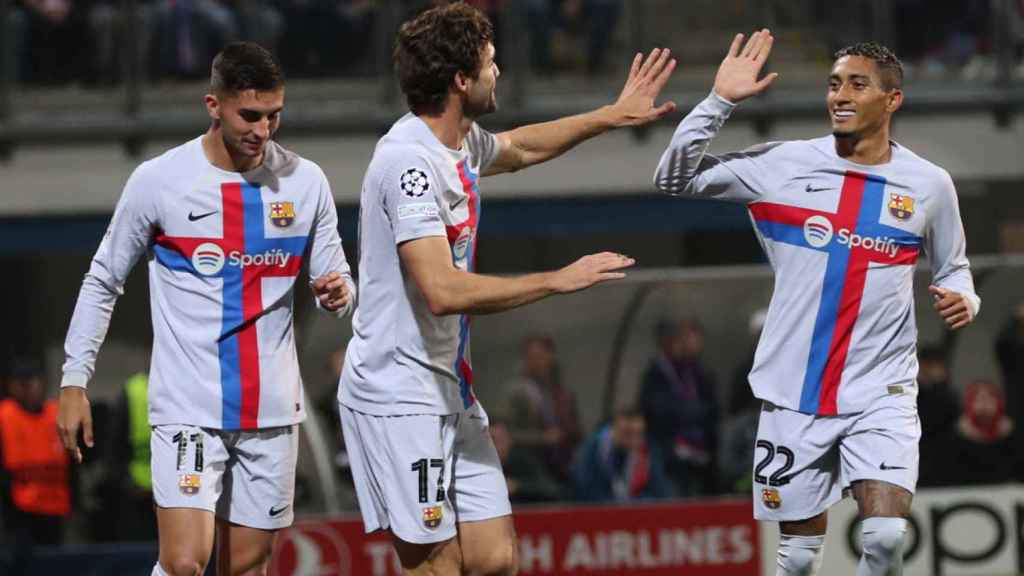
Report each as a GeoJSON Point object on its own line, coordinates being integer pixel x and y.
{"type": "Point", "coordinates": [937, 37]}
{"type": "Point", "coordinates": [108, 24]}
{"type": "Point", "coordinates": [528, 479]}
{"type": "Point", "coordinates": [325, 394]}
{"type": "Point", "coordinates": [984, 448]}
{"type": "Point", "coordinates": [34, 475]}
{"type": "Point", "coordinates": [52, 36]}
{"type": "Point", "coordinates": [541, 412]}
{"type": "Point", "coordinates": [126, 492]}
{"type": "Point", "coordinates": [324, 37]}
{"type": "Point", "coordinates": [938, 409]}
{"type": "Point", "coordinates": [17, 27]}
{"type": "Point", "coordinates": [739, 432]}
{"type": "Point", "coordinates": [1017, 36]}
{"type": "Point", "coordinates": [741, 397]}
{"type": "Point", "coordinates": [618, 464]}
{"type": "Point", "coordinates": [324, 398]}
{"type": "Point", "coordinates": [1010, 354]}
{"type": "Point", "coordinates": [678, 400]}
{"type": "Point", "coordinates": [593, 20]}
{"type": "Point", "coordinates": [259, 21]}
{"type": "Point", "coordinates": [189, 33]}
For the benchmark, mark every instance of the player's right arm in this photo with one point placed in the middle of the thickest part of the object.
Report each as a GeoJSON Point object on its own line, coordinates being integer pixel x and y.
{"type": "Point", "coordinates": [414, 216]}
{"type": "Point", "coordinates": [127, 238]}
{"type": "Point", "coordinates": [685, 167]}
{"type": "Point", "coordinates": [449, 290]}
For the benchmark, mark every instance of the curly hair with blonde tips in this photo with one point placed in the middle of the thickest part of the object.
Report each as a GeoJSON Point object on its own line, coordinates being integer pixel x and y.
{"type": "Point", "coordinates": [889, 66]}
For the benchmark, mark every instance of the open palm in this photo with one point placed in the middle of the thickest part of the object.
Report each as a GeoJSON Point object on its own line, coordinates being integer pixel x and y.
{"type": "Point", "coordinates": [737, 76]}
{"type": "Point", "coordinates": [635, 105]}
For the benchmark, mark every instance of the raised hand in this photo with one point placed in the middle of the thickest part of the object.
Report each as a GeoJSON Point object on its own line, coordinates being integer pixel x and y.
{"type": "Point", "coordinates": [736, 79]}
{"type": "Point", "coordinates": [591, 270]}
{"type": "Point", "coordinates": [635, 105]}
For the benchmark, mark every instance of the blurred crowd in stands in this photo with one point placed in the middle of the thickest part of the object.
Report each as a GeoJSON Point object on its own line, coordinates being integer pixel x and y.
{"type": "Point", "coordinates": [57, 42]}
{"type": "Point", "coordinates": [676, 439]}
{"type": "Point", "coordinates": [673, 439]}
{"type": "Point", "coordinates": [177, 39]}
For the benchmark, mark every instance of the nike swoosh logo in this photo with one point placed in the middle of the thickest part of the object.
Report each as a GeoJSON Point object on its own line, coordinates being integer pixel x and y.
{"type": "Point", "coordinates": [456, 204]}
{"type": "Point", "coordinates": [192, 217]}
{"type": "Point", "coordinates": [810, 188]}
{"type": "Point", "coordinates": [883, 466]}
{"type": "Point", "coordinates": [276, 512]}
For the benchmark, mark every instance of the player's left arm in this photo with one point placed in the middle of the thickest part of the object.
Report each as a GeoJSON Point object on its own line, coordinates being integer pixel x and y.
{"type": "Point", "coordinates": [952, 284]}
{"type": "Point", "coordinates": [536, 143]}
{"type": "Point", "coordinates": [329, 272]}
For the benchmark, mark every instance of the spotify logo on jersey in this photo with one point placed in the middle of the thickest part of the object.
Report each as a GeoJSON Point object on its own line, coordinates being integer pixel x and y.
{"type": "Point", "coordinates": [461, 247]}
{"type": "Point", "coordinates": [208, 259]}
{"type": "Point", "coordinates": [818, 231]}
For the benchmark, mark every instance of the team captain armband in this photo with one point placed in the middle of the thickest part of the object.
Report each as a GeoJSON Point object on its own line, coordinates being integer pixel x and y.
{"type": "Point", "coordinates": [417, 210]}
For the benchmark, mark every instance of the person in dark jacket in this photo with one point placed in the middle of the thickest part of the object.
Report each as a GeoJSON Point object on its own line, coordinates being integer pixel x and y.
{"type": "Point", "coordinates": [617, 463]}
{"type": "Point", "coordinates": [678, 400]}
{"type": "Point", "coordinates": [985, 447]}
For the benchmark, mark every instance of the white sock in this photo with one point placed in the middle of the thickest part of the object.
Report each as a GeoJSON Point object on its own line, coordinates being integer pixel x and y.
{"type": "Point", "coordinates": [158, 571]}
{"type": "Point", "coordinates": [882, 542]}
{"type": "Point", "coordinates": [799, 555]}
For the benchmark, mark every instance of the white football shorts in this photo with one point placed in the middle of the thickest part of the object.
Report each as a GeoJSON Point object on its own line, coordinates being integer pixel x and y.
{"type": "Point", "coordinates": [804, 462]}
{"type": "Point", "coordinates": [419, 475]}
{"type": "Point", "coordinates": [246, 477]}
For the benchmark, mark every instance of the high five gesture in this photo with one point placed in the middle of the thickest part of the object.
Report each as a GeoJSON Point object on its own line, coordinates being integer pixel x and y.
{"type": "Point", "coordinates": [635, 105]}
{"type": "Point", "coordinates": [736, 79]}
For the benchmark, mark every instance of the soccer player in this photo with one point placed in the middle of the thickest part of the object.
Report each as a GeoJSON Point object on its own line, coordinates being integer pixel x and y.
{"type": "Point", "coordinates": [842, 219]}
{"type": "Point", "coordinates": [422, 459]}
{"type": "Point", "coordinates": [226, 222]}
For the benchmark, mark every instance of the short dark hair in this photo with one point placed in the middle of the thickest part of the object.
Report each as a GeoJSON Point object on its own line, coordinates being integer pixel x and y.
{"type": "Point", "coordinates": [242, 66]}
{"type": "Point", "coordinates": [890, 69]}
{"type": "Point", "coordinates": [25, 368]}
{"type": "Point", "coordinates": [432, 47]}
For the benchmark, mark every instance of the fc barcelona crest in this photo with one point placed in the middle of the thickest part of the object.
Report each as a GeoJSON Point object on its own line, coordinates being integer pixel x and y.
{"type": "Point", "coordinates": [282, 214]}
{"type": "Point", "coordinates": [901, 207]}
{"type": "Point", "coordinates": [771, 498]}
{"type": "Point", "coordinates": [432, 516]}
{"type": "Point", "coordinates": [189, 484]}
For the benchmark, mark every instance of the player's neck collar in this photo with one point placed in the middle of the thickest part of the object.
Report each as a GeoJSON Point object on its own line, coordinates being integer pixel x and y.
{"type": "Point", "coordinates": [448, 128]}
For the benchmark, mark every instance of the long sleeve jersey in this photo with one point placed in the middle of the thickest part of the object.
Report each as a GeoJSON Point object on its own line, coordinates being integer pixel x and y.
{"type": "Point", "coordinates": [224, 250]}
{"type": "Point", "coordinates": [842, 239]}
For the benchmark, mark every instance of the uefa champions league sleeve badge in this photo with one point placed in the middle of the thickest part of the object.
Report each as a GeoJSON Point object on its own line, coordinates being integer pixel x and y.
{"type": "Point", "coordinates": [414, 183]}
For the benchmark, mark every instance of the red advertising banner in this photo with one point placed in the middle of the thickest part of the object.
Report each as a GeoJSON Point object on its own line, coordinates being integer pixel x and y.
{"type": "Point", "coordinates": [718, 538]}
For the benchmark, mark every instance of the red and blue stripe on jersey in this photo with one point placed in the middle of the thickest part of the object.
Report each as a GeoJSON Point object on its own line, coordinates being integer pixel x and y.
{"type": "Point", "coordinates": [860, 211]}
{"type": "Point", "coordinates": [242, 295]}
{"type": "Point", "coordinates": [463, 369]}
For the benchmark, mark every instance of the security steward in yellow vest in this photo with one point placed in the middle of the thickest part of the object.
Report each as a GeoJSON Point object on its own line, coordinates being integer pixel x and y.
{"type": "Point", "coordinates": [127, 492]}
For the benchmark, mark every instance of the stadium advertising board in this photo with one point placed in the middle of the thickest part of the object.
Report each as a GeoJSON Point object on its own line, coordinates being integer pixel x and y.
{"type": "Point", "coordinates": [952, 532]}
{"type": "Point", "coordinates": [700, 539]}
